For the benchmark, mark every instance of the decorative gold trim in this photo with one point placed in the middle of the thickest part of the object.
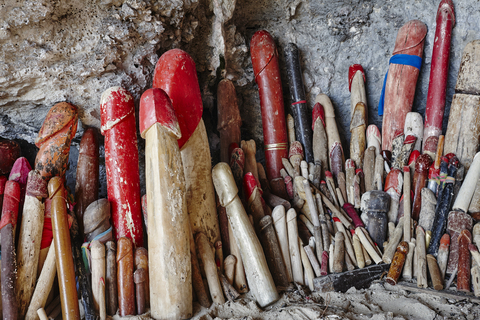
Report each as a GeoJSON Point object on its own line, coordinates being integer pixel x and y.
{"type": "Point", "coordinates": [276, 146]}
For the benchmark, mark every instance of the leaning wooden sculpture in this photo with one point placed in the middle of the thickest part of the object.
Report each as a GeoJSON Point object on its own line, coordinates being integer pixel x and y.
{"type": "Point", "coordinates": [175, 73]}
{"type": "Point", "coordinates": [168, 224]}
{"type": "Point", "coordinates": [259, 278]}
{"type": "Point", "coordinates": [399, 87]}
{"type": "Point", "coordinates": [63, 249]}
{"type": "Point", "coordinates": [358, 113]}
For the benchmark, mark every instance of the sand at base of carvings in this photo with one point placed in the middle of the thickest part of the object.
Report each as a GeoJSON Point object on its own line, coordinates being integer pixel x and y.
{"type": "Point", "coordinates": [375, 303]}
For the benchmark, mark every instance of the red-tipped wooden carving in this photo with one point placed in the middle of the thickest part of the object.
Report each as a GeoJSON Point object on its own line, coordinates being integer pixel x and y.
{"type": "Point", "coordinates": [320, 142]}
{"type": "Point", "coordinates": [29, 241]}
{"type": "Point", "coordinates": [123, 181]}
{"type": "Point", "coordinates": [168, 223]}
{"type": "Point", "coordinates": [393, 186]}
{"type": "Point", "coordinates": [420, 176]}
{"type": "Point", "coordinates": [401, 80]}
{"type": "Point", "coordinates": [9, 266]}
{"type": "Point", "coordinates": [175, 73]}
{"type": "Point", "coordinates": [267, 76]}
{"type": "Point", "coordinates": [358, 113]}
{"type": "Point", "coordinates": [437, 87]}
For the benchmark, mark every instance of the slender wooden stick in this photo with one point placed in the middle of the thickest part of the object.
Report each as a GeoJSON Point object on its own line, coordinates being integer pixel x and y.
{"type": "Point", "coordinates": [44, 285]}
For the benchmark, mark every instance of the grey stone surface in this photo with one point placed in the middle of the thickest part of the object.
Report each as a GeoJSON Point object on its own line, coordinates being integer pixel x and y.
{"type": "Point", "coordinates": [53, 51]}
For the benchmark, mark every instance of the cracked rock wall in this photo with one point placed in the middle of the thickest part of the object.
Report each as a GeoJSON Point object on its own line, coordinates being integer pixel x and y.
{"type": "Point", "coordinates": [53, 51]}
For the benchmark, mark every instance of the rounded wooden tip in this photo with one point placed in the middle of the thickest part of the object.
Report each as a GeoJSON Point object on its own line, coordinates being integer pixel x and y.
{"type": "Point", "coordinates": [230, 260]}
{"type": "Point", "coordinates": [375, 200]}
{"type": "Point", "coordinates": [291, 214]}
{"type": "Point", "coordinates": [10, 210]}
{"type": "Point", "coordinates": [410, 139]}
{"type": "Point", "coordinates": [262, 48]}
{"type": "Point", "coordinates": [124, 248]}
{"type": "Point", "coordinates": [278, 213]}
{"type": "Point", "coordinates": [265, 222]}
{"type": "Point", "coordinates": [430, 144]}
{"type": "Point", "coordinates": [95, 214]}
{"type": "Point", "coordinates": [445, 241]}
{"type": "Point", "coordinates": [218, 245]}
{"type": "Point", "coordinates": [325, 101]}
{"type": "Point", "coordinates": [232, 147]}
{"type": "Point", "coordinates": [318, 113]}
{"type": "Point", "coordinates": [410, 35]}
{"type": "Point", "coordinates": [328, 174]}
{"type": "Point", "coordinates": [20, 170]}
{"type": "Point", "coordinates": [97, 249]}
{"type": "Point", "coordinates": [403, 247]}
{"type": "Point", "coordinates": [446, 7]}
{"type": "Point", "coordinates": [394, 180]}
{"type": "Point", "coordinates": [54, 186]}
{"type": "Point", "coordinates": [116, 104]}
{"type": "Point", "coordinates": [89, 143]}
{"type": "Point", "coordinates": [61, 115]}
{"type": "Point", "coordinates": [352, 71]}
{"type": "Point", "coordinates": [237, 156]}
{"type": "Point", "coordinates": [200, 236]}
{"type": "Point", "coordinates": [140, 275]}
{"type": "Point", "coordinates": [176, 74]}
{"type": "Point", "coordinates": [339, 236]}
{"type": "Point", "coordinates": [476, 229]}
{"type": "Point", "coordinates": [156, 106]}
{"type": "Point", "coordinates": [140, 252]}
{"type": "Point", "coordinates": [224, 183]}
{"type": "Point", "coordinates": [420, 230]}
{"type": "Point", "coordinates": [110, 245]}
{"type": "Point", "coordinates": [413, 156]}
{"type": "Point", "coordinates": [349, 164]}
{"type": "Point", "coordinates": [296, 149]}
{"type": "Point", "coordinates": [249, 184]}
{"type": "Point", "coordinates": [413, 117]}
{"type": "Point", "coordinates": [373, 131]}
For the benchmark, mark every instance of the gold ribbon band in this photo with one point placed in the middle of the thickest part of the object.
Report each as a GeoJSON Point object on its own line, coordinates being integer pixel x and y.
{"type": "Point", "coordinates": [276, 146]}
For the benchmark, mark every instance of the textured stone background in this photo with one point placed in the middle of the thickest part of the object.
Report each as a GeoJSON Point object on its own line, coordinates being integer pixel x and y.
{"type": "Point", "coordinates": [53, 51]}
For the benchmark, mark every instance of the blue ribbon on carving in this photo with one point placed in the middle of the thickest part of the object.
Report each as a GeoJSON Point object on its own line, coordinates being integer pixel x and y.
{"type": "Point", "coordinates": [405, 59]}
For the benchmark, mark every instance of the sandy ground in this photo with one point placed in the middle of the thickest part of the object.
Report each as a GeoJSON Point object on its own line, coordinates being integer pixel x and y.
{"type": "Point", "coordinates": [380, 301]}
